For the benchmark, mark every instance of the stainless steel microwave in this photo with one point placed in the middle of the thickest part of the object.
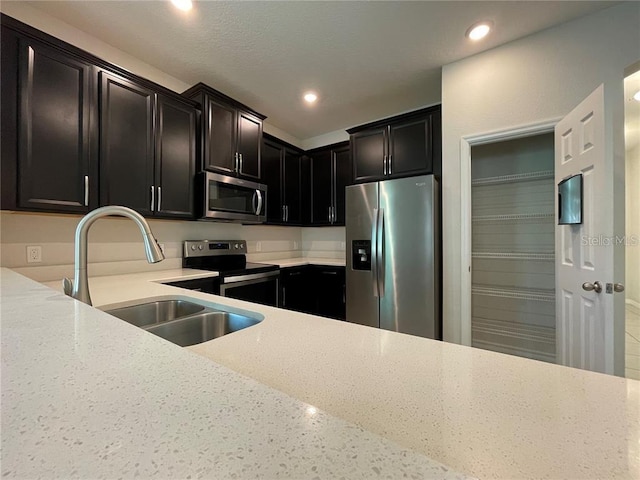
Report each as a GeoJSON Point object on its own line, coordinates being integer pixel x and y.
{"type": "Point", "coordinates": [230, 199]}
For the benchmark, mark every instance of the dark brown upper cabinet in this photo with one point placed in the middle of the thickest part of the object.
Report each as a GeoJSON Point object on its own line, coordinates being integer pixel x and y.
{"type": "Point", "coordinates": [330, 174]}
{"type": "Point", "coordinates": [282, 172]}
{"type": "Point", "coordinates": [397, 147]}
{"type": "Point", "coordinates": [47, 130]}
{"type": "Point", "coordinates": [127, 112]}
{"type": "Point", "coordinates": [147, 149]}
{"type": "Point", "coordinates": [230, 134]}
{"type": "Point", "coordinates": [175, 165]}
{"type": "Point", "coordinates": [69, 118]}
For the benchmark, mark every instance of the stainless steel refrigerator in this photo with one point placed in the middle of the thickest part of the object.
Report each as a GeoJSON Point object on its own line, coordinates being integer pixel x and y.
{"type": "Point", "coordinates": [393, 255]}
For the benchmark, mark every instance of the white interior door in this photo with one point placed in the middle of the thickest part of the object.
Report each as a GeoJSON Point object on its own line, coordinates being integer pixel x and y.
{"type": "Point", "coordinates": [586, 334]}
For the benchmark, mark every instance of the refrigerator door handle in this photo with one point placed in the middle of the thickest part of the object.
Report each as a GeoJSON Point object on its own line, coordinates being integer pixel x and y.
{"type": "Point", "coordinates": [380, 260]}
{"type": "Point", "coordinates": [374, 254]}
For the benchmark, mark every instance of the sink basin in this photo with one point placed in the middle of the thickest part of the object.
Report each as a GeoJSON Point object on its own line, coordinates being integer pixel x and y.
{"type": "Point", "coordinates": [181, 321]}
{"type": "Point", "coordinates": [201, 327]}
{"type": "Point", "coordinates": [155, 312]}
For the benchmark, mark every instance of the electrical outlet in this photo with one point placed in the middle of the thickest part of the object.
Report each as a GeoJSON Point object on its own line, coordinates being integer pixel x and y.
{"type": "Point", "coordinates": [342, 245]}
{"type": "Point", "coordinates": [295, 245]}
{"type": "Point", "coordinates": [34, 254]}
{"type": "Point", "coordinates": [258, 246]}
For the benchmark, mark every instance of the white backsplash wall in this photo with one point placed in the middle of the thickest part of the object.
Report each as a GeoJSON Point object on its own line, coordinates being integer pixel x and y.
{"type": "Point", "coordinates": [115, 244]}
{"type": "Point", "coordinates": [323, 242]}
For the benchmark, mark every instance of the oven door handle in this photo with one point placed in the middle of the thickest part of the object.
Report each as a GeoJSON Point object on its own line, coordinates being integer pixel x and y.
{"type": "Point", "coordinates": [259, 195]}
{"type": "Point", "coordinates": [251, 276]}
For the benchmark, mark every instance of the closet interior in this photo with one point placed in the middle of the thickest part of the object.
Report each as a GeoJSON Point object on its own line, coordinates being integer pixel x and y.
{"type": "Point", "coordinates": [513, 268]}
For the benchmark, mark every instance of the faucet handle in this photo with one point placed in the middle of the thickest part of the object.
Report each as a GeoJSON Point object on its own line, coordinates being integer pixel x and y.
{"type": "Point", "coordinates": [67, 286]}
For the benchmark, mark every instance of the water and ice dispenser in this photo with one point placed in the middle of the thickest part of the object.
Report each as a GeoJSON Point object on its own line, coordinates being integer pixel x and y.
{"type": "Point", "coordinates": [361, 254]}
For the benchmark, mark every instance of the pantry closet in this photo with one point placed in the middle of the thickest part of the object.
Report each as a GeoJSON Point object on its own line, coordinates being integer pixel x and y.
{"type": "Point", "coordinates": [513, 269]}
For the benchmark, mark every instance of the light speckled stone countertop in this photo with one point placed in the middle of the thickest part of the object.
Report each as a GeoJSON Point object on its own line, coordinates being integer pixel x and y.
{"type": "Point", "coordinates": [483, 413]}
{"type": "Point", "coordinates": [85, 395]}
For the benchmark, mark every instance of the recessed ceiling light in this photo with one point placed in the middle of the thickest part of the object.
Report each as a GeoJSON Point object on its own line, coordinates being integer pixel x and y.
{"type": "Point", "coordinates": [478, 30]}
{"type": "Point", "coordinates": [185, 5]}
{"type": "Point", "coordinates": [310, 97]}
{"type": "Point", "coordinates": [636, 97]}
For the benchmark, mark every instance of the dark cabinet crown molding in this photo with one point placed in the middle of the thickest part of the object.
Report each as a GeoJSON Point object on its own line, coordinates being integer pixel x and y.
{"type": "Point", "coordinates": [333, 146]}
{"type": "Point", "coordinates": [29, 31]}
{"type": "Point", "coordinates": [290, 146]}
{"type": "Point", "coordinates": [217, 95]}
{"type": "Point", "coordinates": [398, 118]}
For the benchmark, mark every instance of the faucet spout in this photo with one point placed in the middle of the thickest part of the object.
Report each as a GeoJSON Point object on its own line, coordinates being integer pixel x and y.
{"type": "Point", "coordinates": [79, 289]}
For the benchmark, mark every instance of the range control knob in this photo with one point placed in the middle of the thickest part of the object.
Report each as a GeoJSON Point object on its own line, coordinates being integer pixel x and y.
{"type": "Point", "coordinates": [237, 246]}
{"type": "Point", "coordinates": [193, 247]}
{"type": "Point", "coordinates": [200, 247]}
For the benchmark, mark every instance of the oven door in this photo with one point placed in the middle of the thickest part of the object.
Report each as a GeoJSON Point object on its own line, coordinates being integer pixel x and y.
{"type": "Point", "coordinates": [233, 199]}
{"type": "Point", "coordinates": [260, 288]}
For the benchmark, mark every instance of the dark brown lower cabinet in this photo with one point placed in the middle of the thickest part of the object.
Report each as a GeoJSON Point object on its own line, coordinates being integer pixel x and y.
{"type": "Point", "coordinates": [315, 289]}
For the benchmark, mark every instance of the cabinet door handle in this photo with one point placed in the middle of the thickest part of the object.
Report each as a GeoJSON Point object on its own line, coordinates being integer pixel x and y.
{"type": "Point", "coordinates": [390, 164]}
{"type": "Point", "coordinates": [235, 167]}
{"type": "Point", "coordinates": [286, 209]}
{"type": "Point", "coordinates": [241, 162]}
{"type": "Point", "coordinates": [328, 272]}
{"type": "Point", "coordinates": [384, 165]}
{"type": "Point", "coordinates": [284, 296]}
{"type": "Point", "coordinates": [153, 197]}
{"type": "Point", "coordinates": [86, 190]}
{"type": "Point", "coordinates": [283, 214]}
{"type": "Point", "coordinates": [159, 198]}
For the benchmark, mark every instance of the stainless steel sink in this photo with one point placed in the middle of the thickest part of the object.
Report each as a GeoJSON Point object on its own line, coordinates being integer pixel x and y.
{"type": "Point", "coordinates": [181, 321]}
{"type": "Point", "coordinates": [201, 327]}
{"type": "Point", "coordinates": [155, 312]}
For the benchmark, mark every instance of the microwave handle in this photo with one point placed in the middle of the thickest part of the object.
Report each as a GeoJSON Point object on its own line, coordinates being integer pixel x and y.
{"type": "Point", "coordinates": [259, 207]}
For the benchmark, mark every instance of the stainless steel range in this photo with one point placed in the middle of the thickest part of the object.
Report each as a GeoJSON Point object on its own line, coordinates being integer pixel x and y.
{"type": "Point", "coordinates": [254, 282]}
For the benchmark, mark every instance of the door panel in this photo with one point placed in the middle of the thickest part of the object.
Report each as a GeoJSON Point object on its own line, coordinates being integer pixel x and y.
{"type": "Point", "coordinates": [409, 297]}
{"type": "Point", "coordinates": [410, 148]}
{"type": "Point", "coordinates": [175, 158]}
{"type": "Point", "coordinates": [126, 144]}
{"type": "Point", "coordinates": [249, 138]}
{"type": "Point", "coordinates": [272, 177]}
{"type": "Point", "coordinates": [220, 141]}
{"type": "Point", "coordinates": [342, 174]}
{"type": "Point", "coordinates": [586, 326]}
{"type": "Point", "coordinates": [53, 133]}
{"type": "Point", "coordinates": [368, 149]}
{"type": "Point", "coordinates": [362, 304]}
{"type": "Point", "coordinates": [292, 186]}
{"type": "Point", "coordinates": [321, 187]}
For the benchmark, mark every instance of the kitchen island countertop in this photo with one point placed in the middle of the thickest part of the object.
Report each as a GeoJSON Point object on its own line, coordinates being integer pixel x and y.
{"type": "Point", "coordinates": [482, 413]}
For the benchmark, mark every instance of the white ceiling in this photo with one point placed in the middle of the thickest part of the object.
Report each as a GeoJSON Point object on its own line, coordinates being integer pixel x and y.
{"type": "Point", "coordinates": [366, 60]}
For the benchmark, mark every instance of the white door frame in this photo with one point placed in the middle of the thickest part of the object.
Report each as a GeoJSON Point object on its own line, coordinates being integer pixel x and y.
{"type": "Point", "coordinates": [466, 143]}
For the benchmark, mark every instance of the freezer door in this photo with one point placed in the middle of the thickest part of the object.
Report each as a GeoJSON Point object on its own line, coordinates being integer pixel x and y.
{"type": "Point", "coordinates": [361, 205]}
{"type": "Point", "coordinates": [409, 286]}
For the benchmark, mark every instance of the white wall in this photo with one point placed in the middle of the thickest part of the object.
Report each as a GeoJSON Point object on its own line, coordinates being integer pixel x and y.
{"type": "Point", "coordinates": [115, 244]}
{"type": "Point", "coordinates": [323, 242]}
{"type": "Point", "coordinates": [533, 79]}
{"type": "Point", "coordinates": [632, 272]}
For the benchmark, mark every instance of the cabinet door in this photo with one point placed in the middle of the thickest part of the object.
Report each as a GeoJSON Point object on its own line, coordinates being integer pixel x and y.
{"type": "Point", "coordinates": [272, 177]}
{"type": "Point", "coordinates": [321, 187]}
{"type": "Point", "coordinates": [331, 292]}
{"type": "Point", "coordinates": [53, 130]}
{"type": "Point", "coordinates": [305, 190]}
{"type": "Point", "coordinates": [219, 137]}
{"type": "Point", "coordinates": [175, 158]}
{"type": "Point", "coordinates": [368, 153]}
{"type": "Point", "coordinates": [292, 187]}
{"type": "Point", "coordinates": [410, 151]}
{"type": "Point", "coordinates": [126, 144]}
{"type": "Point", "coordinates": [249, 139]}
{"type": "Point", "coordinates": [342, 178]}
{"type": "Point", "coordinates": [297, 289]}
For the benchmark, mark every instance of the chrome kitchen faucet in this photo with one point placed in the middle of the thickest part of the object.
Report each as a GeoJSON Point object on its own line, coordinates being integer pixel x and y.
{"type": "Point", "coordinates": [79, 288]}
